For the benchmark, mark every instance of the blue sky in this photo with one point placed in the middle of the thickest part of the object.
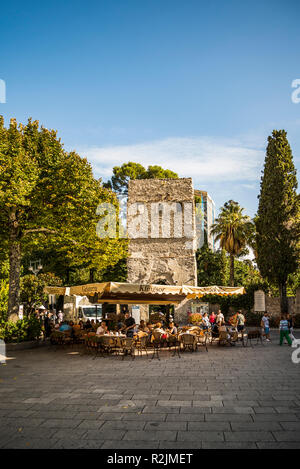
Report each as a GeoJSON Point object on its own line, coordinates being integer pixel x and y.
{"type": "Point", "coordinates": [193, 86]}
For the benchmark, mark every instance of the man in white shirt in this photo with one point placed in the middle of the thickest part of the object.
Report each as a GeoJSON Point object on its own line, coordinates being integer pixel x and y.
{"type": "Point", "coordinates": [266, 326]}
{"type": "Point", "coordinates": [102, 329]}
{"type": "Point", "coordinates": [60, 316]}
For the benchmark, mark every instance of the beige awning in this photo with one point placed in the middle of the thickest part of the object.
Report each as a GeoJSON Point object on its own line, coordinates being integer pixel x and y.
{"type": "Point", "coordinates": [135, 293]}
{"type": "Point", "coordinates": [198, 292]}
{"type": "Point", "coordinates": [55, 290]}
{"type": "Point", "coordinates": [131, 293]}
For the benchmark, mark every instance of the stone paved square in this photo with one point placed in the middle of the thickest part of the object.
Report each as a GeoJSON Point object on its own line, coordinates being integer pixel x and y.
{"type": "Point", "coordinates": [228, 397]}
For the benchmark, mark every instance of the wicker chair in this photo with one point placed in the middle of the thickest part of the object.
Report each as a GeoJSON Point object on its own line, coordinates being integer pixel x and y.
{"type": "Point", "coordinates": [189, 342]}
{"type": "Point", "coordinates": [224, 338]}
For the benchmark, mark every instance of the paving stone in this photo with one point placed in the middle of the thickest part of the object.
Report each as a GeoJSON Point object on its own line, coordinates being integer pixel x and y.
{"type": "Point", "coordinates": [130, 444]}
{"type": "Point", "coordinates": [255, 426]}
{"type": "Point", "coordinates": [248, 436]}
{"type": "Point", "coordinates": [109, 434]}
{"type": "Point", "coordinates": [264, 410]}
{"type": "Point", "coordinates": [278, 445]}
{"type": "Point", "coordinates": [157, 417]}
{"type": "Point", "coordinates": [157, 410]}
{"type": "Point", "coordinates": [200, 436]}
{"type": "Point", "coordinates": [184, 417]}
{"type": "Point", "coordinates": [287, 436]}
{"type": "Point", "coordinates": [290, 425]}
{"type": "Point", "coordinates": [275, 417]}
{"type": "Point", "coordinates": [229, 445]}
{"type": "Point", "coordinates": [123, 425]}
{"type": "Point", "coordinates": [78, 444]}
{"type": "Point", "coordinates": [156, 435]}
{"type": "Point", "coordinates": [226, 417]}
{"type": "Point", "coordinates": [29, 443]}
{"type": "Point", "coordinates": [183, 445]}
{"type": "Point", "coordinates": [209, 426]}
{"type": "Point", "coordinates": [232, 410]}
{"type": "Point", "coordinates": [60, 423]}
{"type": "Point", "coordinates": [166, 425]}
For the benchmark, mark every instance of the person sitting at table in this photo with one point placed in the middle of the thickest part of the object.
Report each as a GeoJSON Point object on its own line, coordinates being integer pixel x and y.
{"type": "Point", "coordinates": [150, 326]}
{"type": "Point", "coordinates": [81, 324]}
{"type": "Point", "coordinates": [87, 325]}
{"type": "Point", "coordinates": [172, 329]}
{"type": "Point", "coordinates": [64, 327]}
{"type": "Point", "coordinates": [142, 326]}
{"type": "Point", "coordinates": [102, 329]}
{"type": "Point", "coordinates": [205, 322]}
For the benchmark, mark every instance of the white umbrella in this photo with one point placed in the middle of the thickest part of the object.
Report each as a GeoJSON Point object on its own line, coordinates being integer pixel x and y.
{"type": "Point", "coordinates": [41, 307]}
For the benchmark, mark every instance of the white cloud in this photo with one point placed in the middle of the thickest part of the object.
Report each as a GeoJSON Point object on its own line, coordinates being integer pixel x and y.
{"type": "Point", "coordinates": [202, 158]}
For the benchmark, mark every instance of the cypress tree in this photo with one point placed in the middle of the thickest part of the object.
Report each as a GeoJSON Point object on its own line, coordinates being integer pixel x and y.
{"type": "Point", "coordinates": [277, 221]}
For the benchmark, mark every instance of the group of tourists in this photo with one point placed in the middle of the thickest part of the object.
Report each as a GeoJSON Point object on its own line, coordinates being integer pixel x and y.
{"type": "Point", "coordinates": [215, 322]}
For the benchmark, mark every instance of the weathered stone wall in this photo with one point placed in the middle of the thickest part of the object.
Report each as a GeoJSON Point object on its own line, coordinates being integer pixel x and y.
{"type": "Point", "coordinates": [273, 305]}
{"type": "Point", "coordinates": [159, 256]}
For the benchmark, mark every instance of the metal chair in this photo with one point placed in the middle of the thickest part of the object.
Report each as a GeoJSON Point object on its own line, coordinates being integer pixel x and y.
{"type": "Point", "coordinates": [156, 344]}
{"type": "Point", "coordinates": [254, 334]}
{"type": "Point", "coordinates": [141, 345]}
{"type": "Point", "coordinates": [128, 347]}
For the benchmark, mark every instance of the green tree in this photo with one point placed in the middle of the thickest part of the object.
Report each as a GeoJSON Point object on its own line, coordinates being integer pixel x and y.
{"type": "Point", "coordinates": [277, 221]}
{"type": "Point", "coordinates": [212, 267]}
{"type": "Point", "coordinates": [233, 229]}
{"type": "Point", "coordinates": [122, 175]}
{"type": "Point", "coordinates": [48, 197]}
{"type": "Point", "coordinates": [32, 289]}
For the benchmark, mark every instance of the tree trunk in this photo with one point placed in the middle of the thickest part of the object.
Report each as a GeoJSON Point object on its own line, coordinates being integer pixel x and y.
{"type": "Point", "coordinates": [283, 298]}
{"type": "Point", "coordinates": [231, 270]}
{"type": "Point", "coordinates": [14, 268]}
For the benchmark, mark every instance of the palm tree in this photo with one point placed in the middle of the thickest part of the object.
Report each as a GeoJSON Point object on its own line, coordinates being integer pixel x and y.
{"type": "Point", "coordinates": [233, 230]}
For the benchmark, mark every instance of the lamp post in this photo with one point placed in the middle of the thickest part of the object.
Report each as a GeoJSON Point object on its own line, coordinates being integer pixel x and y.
{"type": "Point", "coordinates": [35, 266]}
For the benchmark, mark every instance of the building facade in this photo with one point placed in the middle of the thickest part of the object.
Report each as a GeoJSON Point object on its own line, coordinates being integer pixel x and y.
{"type": "Point", "coordinates": [205, 218]}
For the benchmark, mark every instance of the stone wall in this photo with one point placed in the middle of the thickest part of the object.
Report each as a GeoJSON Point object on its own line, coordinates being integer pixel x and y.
{"type": "Point", "coordinates": [162, 253]}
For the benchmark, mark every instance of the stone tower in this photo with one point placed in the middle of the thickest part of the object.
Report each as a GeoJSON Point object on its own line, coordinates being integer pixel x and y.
{"type": "Point", "coordinates": [162, 233]}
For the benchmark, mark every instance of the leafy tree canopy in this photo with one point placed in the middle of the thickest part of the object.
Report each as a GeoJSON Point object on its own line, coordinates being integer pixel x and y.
{"type": "Point", "coordinates": [122, 175]}
{"type": "Point", "coordinates": [48, 198]}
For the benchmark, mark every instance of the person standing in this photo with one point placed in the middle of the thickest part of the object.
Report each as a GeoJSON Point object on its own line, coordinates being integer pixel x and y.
{"type": "Point", "coordinates": [212, 318]}
{"type": "Point", "coordinates": [240, 321]}
{"type": "Point", "coordinates": [205, 322]}
{"type": "Point", "coordinates": [284, 330]}
{"type": "Point", "coordinates": [265, 324]}
{"type": "Point", "coordinates": [219, 318]}
{"type": "Point", "coordinates": [60, 316]}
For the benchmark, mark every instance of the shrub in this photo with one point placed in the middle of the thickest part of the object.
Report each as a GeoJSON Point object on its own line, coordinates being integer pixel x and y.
{"type": "Point", "coordinates": [22, 330]}
{"type": "Point", "coordinates": [3, 299]}
{"type": "Point", "coordinates": [195, 318]}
